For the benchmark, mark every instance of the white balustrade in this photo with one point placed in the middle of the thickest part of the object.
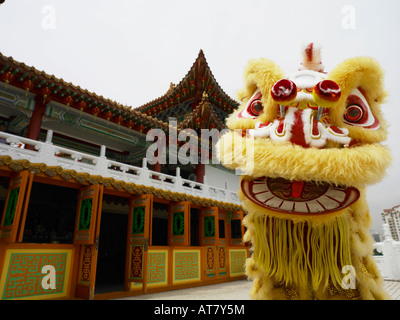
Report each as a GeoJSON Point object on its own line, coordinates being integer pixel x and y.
{"type": "Point", "coordinates": [45, 152]}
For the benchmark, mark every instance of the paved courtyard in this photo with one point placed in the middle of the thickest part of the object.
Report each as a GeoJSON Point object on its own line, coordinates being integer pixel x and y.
{"type": "Point", "coordinates": [236, 290]}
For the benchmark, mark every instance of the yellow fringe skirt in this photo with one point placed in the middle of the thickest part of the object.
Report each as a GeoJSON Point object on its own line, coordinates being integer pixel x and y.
{"type": "Point", "coordinates": [299, 253]}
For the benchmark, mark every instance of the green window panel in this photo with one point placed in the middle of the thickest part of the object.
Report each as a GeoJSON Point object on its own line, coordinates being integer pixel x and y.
{"type": "Point", "coordinates": [138, 220]}
{"type": "Point", "coordinates": [209, 226]}
{"type": "Point", "coordinates": [85, 214]}
{"type": "Point", "coordinates": [178, 223]}
{"type": "Point", "coordinates": [11, 207]}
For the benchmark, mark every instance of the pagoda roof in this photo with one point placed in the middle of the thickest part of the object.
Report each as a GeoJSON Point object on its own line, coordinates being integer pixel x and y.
{"type": "Point", "coordinates": [198, 81]}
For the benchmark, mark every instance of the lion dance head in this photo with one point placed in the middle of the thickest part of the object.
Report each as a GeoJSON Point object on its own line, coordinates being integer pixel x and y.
{"type": "Point", "coordinates": [307, 145]}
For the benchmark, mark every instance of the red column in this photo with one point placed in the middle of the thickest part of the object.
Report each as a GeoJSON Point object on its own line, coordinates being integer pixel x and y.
{"type": "Point", "coordinates": [157, 167]}
{"type": "Point", "coordinates": [36, 119]}
{"type": "Point", "coordinates": [200, 172]}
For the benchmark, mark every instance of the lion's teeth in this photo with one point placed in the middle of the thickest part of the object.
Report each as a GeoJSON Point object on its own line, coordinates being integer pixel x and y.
{"type": "Point", "coordinates": [276, 194]}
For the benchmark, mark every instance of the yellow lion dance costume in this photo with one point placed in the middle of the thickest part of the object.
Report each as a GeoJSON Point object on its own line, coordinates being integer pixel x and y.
{"type": "Point", "coordinates": [307, 146]}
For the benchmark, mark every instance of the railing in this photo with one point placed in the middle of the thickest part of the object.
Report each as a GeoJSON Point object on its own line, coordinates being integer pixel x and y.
{"type": "Point", "coordinates": [389, 261]}
{"type": "Point", "coordinates": [45, 152]}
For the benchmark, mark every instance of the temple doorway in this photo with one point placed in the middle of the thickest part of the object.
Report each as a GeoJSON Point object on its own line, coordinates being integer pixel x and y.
{"type": "Point", "coordinates": [194, 227]}
{"type": "Point", "coordinates": [111, 261]}
{"type": "Point", "coordinates": [51, 214]}
{"type": "Point", "coordinates": [160, 224]}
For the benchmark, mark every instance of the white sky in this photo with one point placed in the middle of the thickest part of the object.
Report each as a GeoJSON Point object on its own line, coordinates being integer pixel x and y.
{"type": "Point", "coordinates": [130, 50]}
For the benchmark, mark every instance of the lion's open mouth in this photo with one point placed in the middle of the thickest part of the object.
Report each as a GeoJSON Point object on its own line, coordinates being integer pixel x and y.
{"type": "Point", "coordinates": [298, 197]}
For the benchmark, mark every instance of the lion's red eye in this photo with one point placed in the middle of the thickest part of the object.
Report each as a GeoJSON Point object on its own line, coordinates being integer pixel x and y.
{"type": "Point", "coordinates": [354, 113]}
{"type": "Point", "coordinates": [256, 108]}
{"type": "Point", "coordinates": [253, 108]}
{"type": "Point", "coordinates": [358, 112]}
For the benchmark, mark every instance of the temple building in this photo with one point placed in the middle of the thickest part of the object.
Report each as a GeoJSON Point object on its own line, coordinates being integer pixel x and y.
{"type": "Point", "coordinates": [88, 212]}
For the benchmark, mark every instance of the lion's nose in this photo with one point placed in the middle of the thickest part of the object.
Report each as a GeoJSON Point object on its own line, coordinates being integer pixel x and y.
{"type": "Point", "coordinates": [302, 124]}
{"type": "Point", "coordinates": [325, 94]}
{"type": "Point", "coordinates": [284, 92]}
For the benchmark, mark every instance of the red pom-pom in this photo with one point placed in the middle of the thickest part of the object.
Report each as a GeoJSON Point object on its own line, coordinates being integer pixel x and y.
{"type": "Point", "coordinates": [284, 91]}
